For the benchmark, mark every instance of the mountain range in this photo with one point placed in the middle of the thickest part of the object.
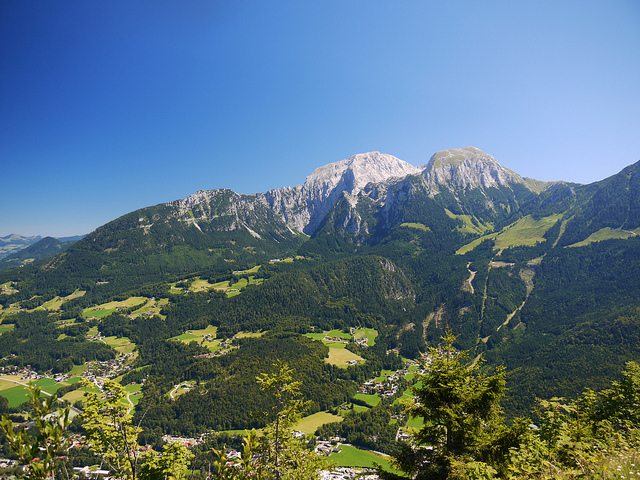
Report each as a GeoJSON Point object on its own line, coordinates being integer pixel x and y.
{"type": "Point", "coordinates": [538, 276]}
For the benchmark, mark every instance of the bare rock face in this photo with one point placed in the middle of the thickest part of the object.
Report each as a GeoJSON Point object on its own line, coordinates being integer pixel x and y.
{"type": "Point", "coordinates": [382, 178]}
{"type": "Point", "coordinates": [467, 168]}
{"type": "Point", "coordinates": [326, 185]}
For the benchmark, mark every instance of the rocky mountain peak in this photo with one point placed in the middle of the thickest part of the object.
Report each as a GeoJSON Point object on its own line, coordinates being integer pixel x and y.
{"type": "Point", "coordinates": [354, 173]}
{"type": "Point", "coordinates": [468, 167]}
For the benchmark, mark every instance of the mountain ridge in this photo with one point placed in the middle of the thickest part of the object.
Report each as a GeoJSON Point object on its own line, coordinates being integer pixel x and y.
{"type": "Point", "coordinates": [460, 243]}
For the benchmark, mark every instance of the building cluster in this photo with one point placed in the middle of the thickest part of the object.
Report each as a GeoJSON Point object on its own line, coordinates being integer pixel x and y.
{"type": "Point", "coordinates": [387, 388]}
{"type": "Point", "coordinates": [327, 338]}
{"type": "Point", "coordinates": [326, 448]}
{"type": "Point", "coordinates": [24, 373]}
{"type": "Point", "coordinates": [108, 368]}
{"type": "Point", "coordinates": [186, 441]}
{"type": "Point", "coordinates": [347, 473]}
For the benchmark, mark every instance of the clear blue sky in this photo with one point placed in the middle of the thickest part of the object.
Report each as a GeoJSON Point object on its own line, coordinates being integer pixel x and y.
{"type": "Point", "coordinates": [111, 106]}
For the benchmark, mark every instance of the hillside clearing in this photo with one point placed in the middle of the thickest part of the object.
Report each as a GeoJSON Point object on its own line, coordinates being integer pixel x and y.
{"type": "Point", "coordinates": [311, 423]}
{"type": "Point", "coordinates": [526, 232]}
{"type": "Point", "coordinates": [607, 233]}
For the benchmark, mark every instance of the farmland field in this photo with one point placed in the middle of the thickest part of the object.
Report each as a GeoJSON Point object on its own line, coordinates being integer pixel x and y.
{"type": "Point", "coordinates": [15, 389]}
{"type": "Point", "coordinates": [311, 423]}
{"type": "Point", "coordinates": [105, 309]}
{"type": "Point", "coordinates": [120, 345]}
{"type": "Point", "coordinates": [6, 328]}
{"type": "Point", "coordinates": [370, 333]}
{"type": "Point", "coordinates": [198, 336]}
{"type": "Point", "coordinates": [356, 408]}
{"type": "Point", "coordinates": [353, 457]}
{"type": "Point", "coordinates": [372, 400]}
{"type": "Point", "coordinates": [340, 356]}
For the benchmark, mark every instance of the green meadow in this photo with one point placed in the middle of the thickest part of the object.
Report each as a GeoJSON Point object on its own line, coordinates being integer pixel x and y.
{"type": "Point", "coordinates": [120, 345]}
{"type": "Point", "coordinates": [106, 309]}
{"type": "Point", "coordinates": [311, 423]}
{"type": "Point", "coordinates": [525, 232]}
{"type": "Point", "coordinates": [469, 224]}
{"type": "Point", "coordinates": [370, 333]}
{"type": "Point", "coordinates": [607, 233]}
{"type": "Point", "coordinates": [371, 400]}
{"type": "Point", "coordinates": [417, 226]}
{"type": "Point", "coordinates": [338, 354]}
{"type": "Point", "coordinates": [353, 457]}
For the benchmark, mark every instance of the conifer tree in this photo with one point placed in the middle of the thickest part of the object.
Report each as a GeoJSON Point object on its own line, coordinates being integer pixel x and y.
{"type": "Point", "coordinates": [461, 413]}
{"type": "Point", "coordinates": [276, 455]}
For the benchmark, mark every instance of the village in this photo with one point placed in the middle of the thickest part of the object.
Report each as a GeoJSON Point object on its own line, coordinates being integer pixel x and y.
{"type": "Point", "coordinates": [387, 385]}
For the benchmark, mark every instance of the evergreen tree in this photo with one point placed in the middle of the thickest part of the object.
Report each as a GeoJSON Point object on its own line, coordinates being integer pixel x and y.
{"type": "Point", "coordinates": [278, 454]}
{"type": "Point", "coordinates": [461, 413]}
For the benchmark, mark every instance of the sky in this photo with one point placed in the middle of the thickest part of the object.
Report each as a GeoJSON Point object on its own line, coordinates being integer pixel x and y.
{"type": "Point", "coordinates": [108, 107]}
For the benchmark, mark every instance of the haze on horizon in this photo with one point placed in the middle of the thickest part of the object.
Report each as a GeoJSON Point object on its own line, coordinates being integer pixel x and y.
{"type": "Point", "coordinates": [114, 106]}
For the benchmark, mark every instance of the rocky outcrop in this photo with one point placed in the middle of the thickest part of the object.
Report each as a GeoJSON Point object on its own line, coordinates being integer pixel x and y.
{"type": "Point", "coordinates": [381, 178]}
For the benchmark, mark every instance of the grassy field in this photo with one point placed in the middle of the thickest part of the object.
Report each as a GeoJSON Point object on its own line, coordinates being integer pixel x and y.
{"type": "Point", "coordinates": [331, 333]}
{"type": "Point", "coordinates": [353, 457]}
{"type": "Point", "coordinates": [8, 288]}
{"type": "Point", "coordinates": [120, 345]}
{"type": "Point", "coordinates": [183, 388]}
{"type": "Point", "coordinates": [406, 396]}
{"type": "Point", "coordinates": [232, 289]}
{"type": "Point", "coordinates": [249, 334]}
{"type": "Point", "coordinates": [131, 389]}
{"type": "Point", "coordinates": [311, 423]}
{"type": "Point", "coordinates": [55, 303]}
{"type": "Point", "coordinates": [340, 356]}
{"type": "Point", "coordinates": [417, 422]}
{"type": "Point", "coordinates": [188, 337]}
{"type": "Point", "coordinates": [370, 333]}
{"type": "Point", "coordinates": [6, 328]}
{"type": "Point", "coordinates": [251, 270]}
{"type": "Point", "coordinates": [371, 400]}
{"type": "Point", "coordinates": [356, 408]}
{"type": "Point", "coordinates": [525, 232]}
{"type": "Point", "coordinates": [78, 394]}
{"type": "Point", "coordinates": [417, 226]}
{"type": "Point", "coordinates": [383, 375]}
{"type": "Point", "coordinates": [105, 309]}
{"type": "Point", "coordinates": [212, 345]}
{"type": "Point", "coordinates": [468, 224]}
{"type": "Point", "coordinates": [199, 285]}
{"type": "Point", "coordinates": [151, 307]}
{"type": "Point", "coordinates": [77, 370]}
{"type": "Point", "coordinates": [198, 336]}
{"type": "Point", "coordinates": [16, 393]}
{"type": "Point", "coordinates": [607, 233]}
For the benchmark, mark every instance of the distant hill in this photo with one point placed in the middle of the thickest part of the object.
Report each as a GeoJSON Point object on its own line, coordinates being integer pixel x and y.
{"type": "Point", "coordinates": [12, 243]}
{"type": "Point", "coordinates": [42, 249]}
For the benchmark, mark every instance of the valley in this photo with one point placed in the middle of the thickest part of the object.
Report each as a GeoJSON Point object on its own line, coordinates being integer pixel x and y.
{"type": "Point", "coordinates": [350, 279]}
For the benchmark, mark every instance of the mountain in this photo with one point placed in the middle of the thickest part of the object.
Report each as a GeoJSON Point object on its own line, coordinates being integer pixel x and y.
{"type": "Point", "coordinates": [12, 243]}
{"type": "Point", "coordinates": [538, 276]}
{"type": "Point", "coordinates": [44, 248]}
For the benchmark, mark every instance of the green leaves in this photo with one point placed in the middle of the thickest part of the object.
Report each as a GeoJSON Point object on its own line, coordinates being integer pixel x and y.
{"type": "Point", "coordinates": [41, 449]}
{"type": "Point", "coordinates": [277, 454]}
{"type": "Point", "coordinates": [108, 424]}
{"type": "Point", "coordinates": [461, 413]}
